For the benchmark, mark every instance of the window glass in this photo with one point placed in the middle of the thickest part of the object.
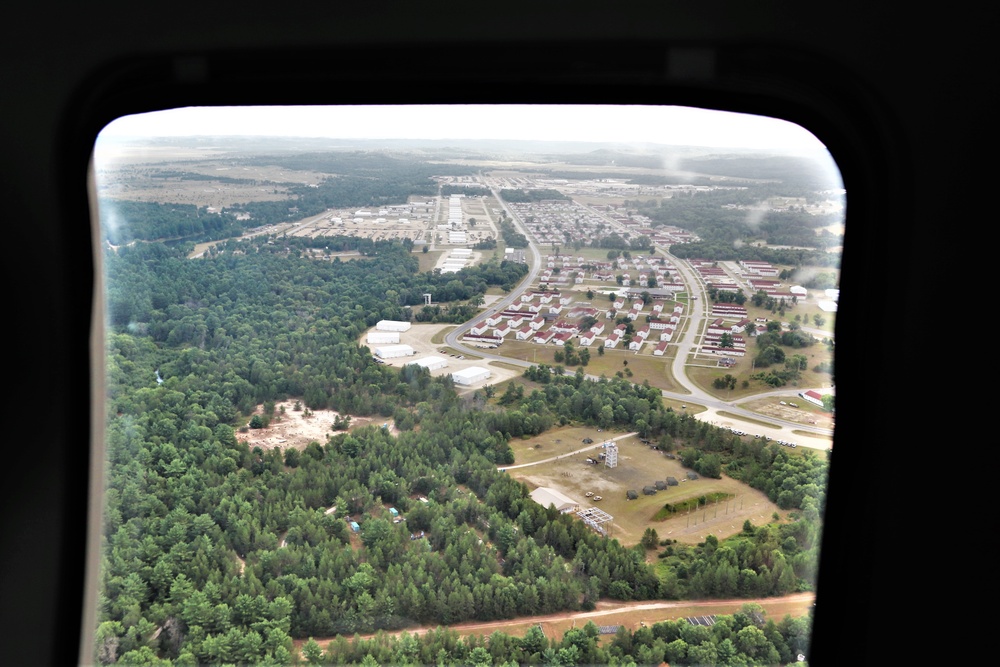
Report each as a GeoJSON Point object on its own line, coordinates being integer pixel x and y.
{"type": "Point", "coordinates": [389, 369]}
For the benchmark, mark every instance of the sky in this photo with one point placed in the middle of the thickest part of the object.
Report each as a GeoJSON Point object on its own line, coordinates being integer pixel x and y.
{"type": "Point", "coordinates": [599, 123]}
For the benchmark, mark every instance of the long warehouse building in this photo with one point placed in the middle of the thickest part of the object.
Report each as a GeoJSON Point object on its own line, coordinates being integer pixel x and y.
{"type": "Point", "coordinates": [383, 337]}
{"type": "Point", "coordinates": [392, 325]}
{"type": "Point", "coordinates": [432, 363]}
{"type": "Point", "coordinates": [394, 351]}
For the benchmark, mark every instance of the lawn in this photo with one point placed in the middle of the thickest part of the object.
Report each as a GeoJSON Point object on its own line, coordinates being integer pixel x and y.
{"type": "Point", "coordinates": [428, 260]}
{"type": "Point", "coordinates": [643, 366]}
{"type": "Point", "coordinates": [703, 371]}
{"type": "Point", "coordinates": [438, 338]}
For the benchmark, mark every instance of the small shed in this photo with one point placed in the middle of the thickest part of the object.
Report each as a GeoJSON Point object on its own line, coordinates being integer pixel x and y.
{"type": "Point", "coordinates": [355, 527]}
{"type": "Point", "coordinates": [393, 511]}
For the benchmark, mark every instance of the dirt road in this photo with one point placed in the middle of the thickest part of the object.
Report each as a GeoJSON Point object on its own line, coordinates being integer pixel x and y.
{"type": "Point", "coordinates": [630, 614]}
{"type": "Point", "coordinates": [582, 450]}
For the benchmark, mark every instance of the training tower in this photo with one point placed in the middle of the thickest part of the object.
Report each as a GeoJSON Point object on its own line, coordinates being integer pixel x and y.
{"type": "Point", "coordinates": [610, 454]}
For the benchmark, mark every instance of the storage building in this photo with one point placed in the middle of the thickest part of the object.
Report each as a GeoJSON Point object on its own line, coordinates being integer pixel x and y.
{"type": "Point", "coordinates": [394, 351]}
{"type": "Point", "coordinates": [392, 325]}
{"type": "Point", "coordinates": [546, 496]}
{"type": "Point", "coordinates": [470, 375]}
{"type": "Point", "coordinates": [383, 337]}
{"type": "Point", "coordinates": [431, 363]}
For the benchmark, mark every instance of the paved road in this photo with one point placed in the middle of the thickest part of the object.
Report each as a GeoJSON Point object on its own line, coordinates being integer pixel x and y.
{"type": "Point", "coordinates": [534, 266]}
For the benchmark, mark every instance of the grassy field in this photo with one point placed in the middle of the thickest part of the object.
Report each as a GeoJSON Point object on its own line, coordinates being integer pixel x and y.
{"type": "Point", "coordinates": [643, 366]}
{"type": "Point", "coordinates": [555, 442]}
{"type": "Point", "coordinates": [511, 367]}
{"type": "Point", "coordinates": [639, 466]}
{"type": "Point", "coordinates": [703, 372]}
{"type": "Point", "coordinates": [438, 338]}
{"type": "Point", "coordinates": [428, 260]}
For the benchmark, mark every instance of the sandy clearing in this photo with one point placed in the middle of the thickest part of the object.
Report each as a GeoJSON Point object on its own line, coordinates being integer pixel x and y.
{"type": "Point", "coordinates": [293, 429]}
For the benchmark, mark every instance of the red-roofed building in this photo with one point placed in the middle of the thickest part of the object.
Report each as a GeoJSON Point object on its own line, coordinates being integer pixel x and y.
{"type": "Point", "coordinates": [813, 397]}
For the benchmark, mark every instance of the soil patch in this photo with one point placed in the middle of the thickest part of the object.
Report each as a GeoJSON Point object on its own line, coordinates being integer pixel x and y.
{"type": "Point", "coordinates": [805, 413]}
{"type": "Point", "coordinates": [294, 429]}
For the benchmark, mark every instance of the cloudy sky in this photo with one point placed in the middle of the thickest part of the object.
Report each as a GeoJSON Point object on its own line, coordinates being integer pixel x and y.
{"type": "Point", "coordinates": [627, 124]}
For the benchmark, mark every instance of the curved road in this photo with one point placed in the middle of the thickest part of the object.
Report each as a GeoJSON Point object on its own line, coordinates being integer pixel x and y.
{"type": "Point", "coordinates": [776, 429]}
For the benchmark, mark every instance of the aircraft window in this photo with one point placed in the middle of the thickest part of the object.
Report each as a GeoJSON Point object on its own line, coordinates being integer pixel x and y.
{"type": "Point", "coordinates": [379, 369]}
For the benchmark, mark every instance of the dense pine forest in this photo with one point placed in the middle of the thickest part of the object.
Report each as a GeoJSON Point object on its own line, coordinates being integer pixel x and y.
{"type": "Point", "coordinates": [215, 553]}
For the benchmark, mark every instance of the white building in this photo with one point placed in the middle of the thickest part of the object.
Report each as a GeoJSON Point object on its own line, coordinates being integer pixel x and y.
{"type": "Point", "coordinates": [383, 337]}
{"type": "Point", "coordinates": [394, 351]}
{"type": "Point", "coordinates": [432, 363]}
{"type": "Point", "coordinates": [813, 397]}
{"type": "Point", "coordinates": [392, 325]}
{"type": "Point", "coordinates": [471, 375]}
{"type": "Point", "coordinates": [545, 496]}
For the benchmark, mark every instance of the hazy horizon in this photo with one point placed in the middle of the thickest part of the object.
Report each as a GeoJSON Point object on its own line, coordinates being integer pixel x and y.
{"type": "Point", "coordinates": [632, 126]}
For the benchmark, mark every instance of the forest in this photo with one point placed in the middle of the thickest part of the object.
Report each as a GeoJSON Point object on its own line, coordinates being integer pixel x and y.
{"type": "Point", "coordinates": [216, 553]}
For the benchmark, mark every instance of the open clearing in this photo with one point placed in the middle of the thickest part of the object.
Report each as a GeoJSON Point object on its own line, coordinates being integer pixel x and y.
{"type": "Point", "coordinates": [639, 465]}
{"type": "Point", "coordinates": [805, 413]}
{"type": "Point", "coordinates": [294, 429]}
{"type": "Point", "coordinates": [556, 442]}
